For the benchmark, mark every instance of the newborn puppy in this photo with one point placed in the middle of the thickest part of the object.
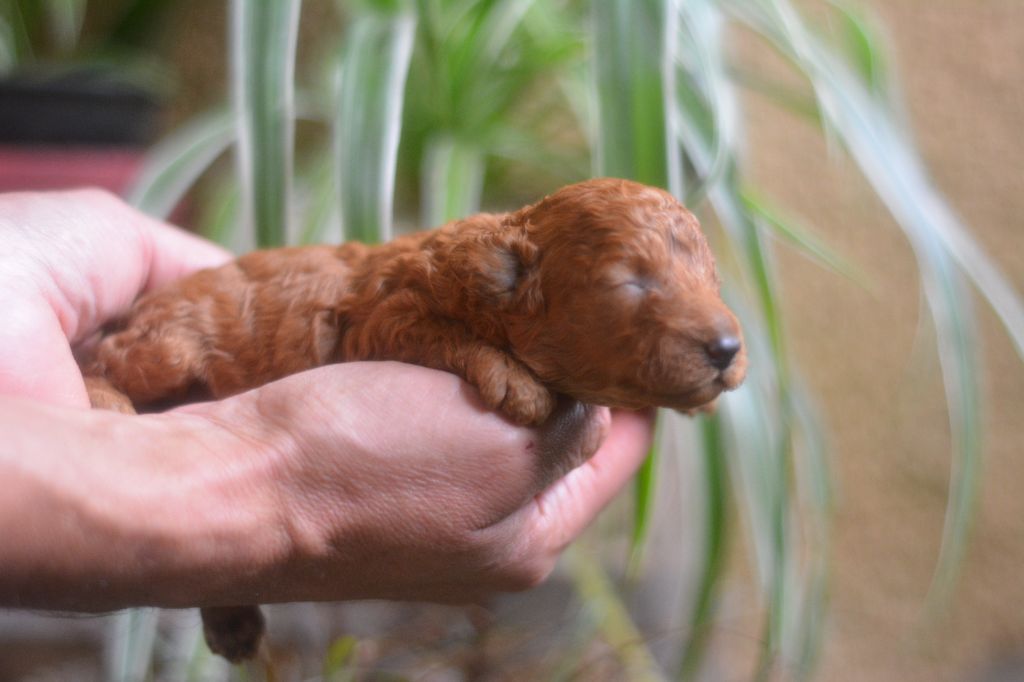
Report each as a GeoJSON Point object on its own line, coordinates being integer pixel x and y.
{"type": "Point", "coordinates": [604, 291]}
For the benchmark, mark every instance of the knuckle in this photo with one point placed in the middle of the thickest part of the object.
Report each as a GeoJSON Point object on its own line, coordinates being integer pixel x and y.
{"type": "Point", "coordinates": [525, 574]}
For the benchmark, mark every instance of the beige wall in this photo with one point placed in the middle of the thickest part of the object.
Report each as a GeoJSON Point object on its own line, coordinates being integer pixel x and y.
{"type": "Point", "coordinates": [962, 65]}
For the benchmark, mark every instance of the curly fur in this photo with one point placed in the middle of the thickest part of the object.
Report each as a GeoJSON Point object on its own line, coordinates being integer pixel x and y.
{"type": "Point", "coordinates": [605, 291]}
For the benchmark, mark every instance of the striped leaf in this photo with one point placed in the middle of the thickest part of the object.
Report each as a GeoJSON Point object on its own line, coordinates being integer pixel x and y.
{"type": "Point", "coordinates": [368, 120]}
{"type": "Point", "coordinates": [263, 37]}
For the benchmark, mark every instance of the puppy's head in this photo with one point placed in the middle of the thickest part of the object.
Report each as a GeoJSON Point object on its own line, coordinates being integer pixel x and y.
{"type": "Point", "coordinates": [619, 302]}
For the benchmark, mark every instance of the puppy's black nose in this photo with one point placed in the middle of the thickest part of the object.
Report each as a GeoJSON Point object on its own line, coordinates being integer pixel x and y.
{"type": "Point", "coordinates": [722, 350]}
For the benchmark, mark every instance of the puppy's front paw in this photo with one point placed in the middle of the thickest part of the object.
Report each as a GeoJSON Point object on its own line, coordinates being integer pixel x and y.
{"type": "Point", "coordinates": [510, 387]}
{"type": "Point", "coordinates": [526, 401]}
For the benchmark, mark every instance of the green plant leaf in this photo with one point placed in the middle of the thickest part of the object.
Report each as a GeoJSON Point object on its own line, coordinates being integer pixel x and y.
{"type": "Point", "coordinates": [643, 502]}
{"type": "Point", "coordinates": [8, 48]}
{"type": "Point", "coordinates": [762, 429]}
{"type": "Point", "coordinates": [814, 487]}
{"type": "Point", "coordinates": [631, 138]}
{"type": "Point", "coordinates": [701, 99]}
{"type": "Point", "coordinates": [616, 625]}
{"type": "Point", "coordinates": [453, 176]}
{"type": "Point", "coordinates": [791, 99]}
{"type": "Point", "coordinates": [480, 73]}
{"type": "Point", "coordinates": [716, 491]}
{"type": "Point", "coordinates": [321, 220]}
{"type": "Point", "coordinates": [863, 46]}
{"type": "Point", "coordinates": [21, 17]}
{"type": "Point", "coordinates": [802, 239]}
{"type": "Point", "coordinates": [220, 219]}
{"type": "Point", "coordinates": [368, 121]}
{"type": "Point", "coordinates": [137, 20]}
{"type": "Point", "coordinates": [263, 37]}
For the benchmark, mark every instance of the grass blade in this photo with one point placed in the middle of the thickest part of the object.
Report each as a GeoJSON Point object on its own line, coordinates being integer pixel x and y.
{"type": "Point", "coordinates": [177, 162]}
{"type": "Point", "coordinates": [263, 37]}
{"type": "Point", "coordinates": [368, 121]}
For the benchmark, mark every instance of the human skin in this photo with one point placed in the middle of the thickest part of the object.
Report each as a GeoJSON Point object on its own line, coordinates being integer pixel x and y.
{"type": "Point", "coordinates": [357, 480]}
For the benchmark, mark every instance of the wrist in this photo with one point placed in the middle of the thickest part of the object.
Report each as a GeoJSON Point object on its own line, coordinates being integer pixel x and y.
{"type": "Point", "coordinates": [108, 511]}
{"type": "Point", "coordinates": [215, 523]}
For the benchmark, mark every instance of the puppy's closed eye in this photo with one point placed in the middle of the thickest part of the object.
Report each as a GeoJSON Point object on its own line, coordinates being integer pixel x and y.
{"type": "Point", "coordinates": [639, 284]}
{"type": "Point", "coordinates": [627, 282]}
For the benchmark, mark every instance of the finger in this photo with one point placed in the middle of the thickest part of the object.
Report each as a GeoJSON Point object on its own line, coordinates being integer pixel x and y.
{"type": "Point", "coordinates": [42, 368]}
{"type": "Point", "coordinates": [562, 511]}
{"type": "Point", "coordinates": [174, 253]}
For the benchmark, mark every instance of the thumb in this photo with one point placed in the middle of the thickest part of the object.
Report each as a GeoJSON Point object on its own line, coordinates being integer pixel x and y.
{"type": "Point", "coordinates": [174, 253]}
{"type": "Point", "coordinates": [567, 507]}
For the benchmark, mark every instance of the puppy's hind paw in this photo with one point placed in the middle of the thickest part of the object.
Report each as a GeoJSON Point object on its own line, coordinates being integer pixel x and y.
{"type": "Point", "coordinates": [234, 632]}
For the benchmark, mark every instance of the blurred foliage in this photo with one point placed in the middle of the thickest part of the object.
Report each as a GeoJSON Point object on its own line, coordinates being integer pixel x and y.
{"type": "Point", "coordinates": [53, 37]}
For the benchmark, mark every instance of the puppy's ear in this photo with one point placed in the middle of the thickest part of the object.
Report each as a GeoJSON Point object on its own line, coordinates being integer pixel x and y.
{"type": "Point", "coordinates": [505, 269]}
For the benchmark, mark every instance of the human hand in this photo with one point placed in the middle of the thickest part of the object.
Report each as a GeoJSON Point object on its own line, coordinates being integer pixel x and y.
{"type": "Point", "coordinates": [357, 480]}
{"type": "Point", "coordinates": [360, 480]}
{"type": "Point", "coordinates": [71, 262]}
{"type": "Point", "coordinates": [395, 481]}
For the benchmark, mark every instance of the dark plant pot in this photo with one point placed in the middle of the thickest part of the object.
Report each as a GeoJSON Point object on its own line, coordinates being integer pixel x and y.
{"type": "Point", "coordinates": [75, 107]}
{"type": "Point", "coordinates": [73, 129]}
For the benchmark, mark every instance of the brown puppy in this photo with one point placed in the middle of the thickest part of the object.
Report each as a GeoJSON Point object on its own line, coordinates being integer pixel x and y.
{"type": "Point", "coordinates": [604, 291]}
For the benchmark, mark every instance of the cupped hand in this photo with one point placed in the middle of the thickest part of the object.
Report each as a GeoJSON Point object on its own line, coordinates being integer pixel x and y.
{"type": "Point", "coordinates": [394, 481]}
{"type": "Point", "coordinates": [71, 262]}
